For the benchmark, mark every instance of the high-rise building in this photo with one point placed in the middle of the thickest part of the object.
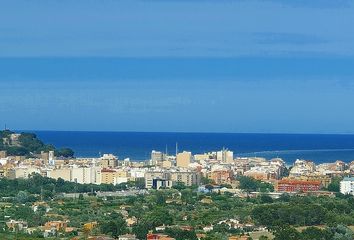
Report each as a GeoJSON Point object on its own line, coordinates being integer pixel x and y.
{"type": "Point", "coordinates": [188, 178]}
{"type": "Point", "coordinates": [109, 161]}
{"type": "Point", "coordinates": [156, 157]}
{"type": "Point", "coordinates": [225, 156]}
{"type": "Point", "coordinates": [184, 159]}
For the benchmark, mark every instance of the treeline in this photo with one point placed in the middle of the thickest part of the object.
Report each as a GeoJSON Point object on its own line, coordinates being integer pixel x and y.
{"type": "Point", "coordinates": [339, 232]}
{"type": "Point", "coordinates": [28, 145]}
{"type": "Point", "coordinates": [48, 187]}
{"type": "Point", "coordinates": [306, 212]}
{"type": "Point", "coordinates": [251, 185]}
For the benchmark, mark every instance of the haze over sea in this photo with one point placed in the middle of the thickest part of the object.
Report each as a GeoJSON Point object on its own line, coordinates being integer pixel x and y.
{"type": "Point", "coordinates": [138, 145]}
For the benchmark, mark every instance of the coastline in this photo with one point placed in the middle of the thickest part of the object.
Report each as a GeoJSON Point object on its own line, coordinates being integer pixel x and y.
{"type": "Point", "coordinates": [137, 146]}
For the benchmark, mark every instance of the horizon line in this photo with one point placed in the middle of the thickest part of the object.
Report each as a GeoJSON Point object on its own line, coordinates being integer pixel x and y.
{"type": "Point", "coordinates": [182, 132]}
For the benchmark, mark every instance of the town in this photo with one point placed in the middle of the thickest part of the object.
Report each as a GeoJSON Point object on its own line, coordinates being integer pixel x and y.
{"type": "Point", "coordinates": [195, 181]}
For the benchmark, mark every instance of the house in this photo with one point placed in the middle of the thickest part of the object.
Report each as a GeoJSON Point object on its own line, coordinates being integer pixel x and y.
{"type": "Point", "coordinates": [152, 236]}
{"type": "Point", "coordinates": [208, 228]}
{"type": "Point", "coordinates": [127, 237]}
{"type": "Point", "coordinates": [57, 225]}
{"type": "Point", "coordinates": [201, 236]}
{"type": "Point", "coordinates": [16, 225]}
{"type": "Point", "coordinates": [131, 221]}
{"type": "Point", "coordinates": [90, 226]}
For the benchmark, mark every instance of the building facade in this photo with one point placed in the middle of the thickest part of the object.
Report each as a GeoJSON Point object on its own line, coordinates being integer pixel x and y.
{"type": "Point", "coordinates": [347, 186]}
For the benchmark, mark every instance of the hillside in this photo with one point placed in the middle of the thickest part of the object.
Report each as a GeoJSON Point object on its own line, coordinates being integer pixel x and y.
{"type": "Point", "coordinates": [27, 144]}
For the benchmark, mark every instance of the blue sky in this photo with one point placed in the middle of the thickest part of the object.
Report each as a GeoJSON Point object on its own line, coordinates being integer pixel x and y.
{"type": "Point", "coordinates": [205, 66]}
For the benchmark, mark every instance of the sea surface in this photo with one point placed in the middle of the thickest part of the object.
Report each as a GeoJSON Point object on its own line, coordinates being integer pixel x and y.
{"type": "Point", "coordinates": [138, 145]}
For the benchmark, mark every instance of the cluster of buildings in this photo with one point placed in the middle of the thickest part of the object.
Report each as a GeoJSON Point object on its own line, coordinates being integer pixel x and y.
{"type": "Point", "coordinates": [49, 229]}
{"type": "Point", "coordinates": [165, 171]}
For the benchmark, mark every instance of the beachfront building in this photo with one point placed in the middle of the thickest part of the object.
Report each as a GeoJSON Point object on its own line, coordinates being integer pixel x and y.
{"type": "Point", "coordinates": [347, 186]}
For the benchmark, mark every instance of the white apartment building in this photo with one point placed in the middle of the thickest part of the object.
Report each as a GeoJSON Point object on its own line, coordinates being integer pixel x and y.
{"type": "Point", "coordinates": [347, 186]}
{"type": "Point", "coordinates": [86, 175]}
{"type": "Point", "coordinates": [83, 175]}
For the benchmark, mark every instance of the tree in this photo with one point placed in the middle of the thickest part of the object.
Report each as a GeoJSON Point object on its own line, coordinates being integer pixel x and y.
{"type": "Point", "coordinates": [181, 234]}
{"type": "Point", "coordinates": [285, 197]}
{"type": "Point", "coordinates": [221, 228]}
{"type": "Point", "coordinates": [179, 186]}
{"type": "Point", "coordinates": [334, 186]}
{"type": "Point", "coordinates": [286, 233]}
{"type": "Point", "coordinates": [250, 184]}
{"type": "Point", "coordinates": [266, 199]}
{"type": "Point", "coordinates": [159, 216]}
{"type": "Point", "coordinates": [341, 232]}
{"type": "Point", "coordinates": [313, 233]}
{"type": "Point", "coordinates": [205, 181]}
{"type": "Point", "coordinates": [17, 151]}
{"type": "Point", "coordinates": [64, 152]}
{"type": "Point", "coordinates": [263, 237]}
{"type": "Point", "coordinates": [22, 196]}
{"type": "Point", "coordinates": [141, 229]}
{"type": "Point", "coordinates": [115, 226]}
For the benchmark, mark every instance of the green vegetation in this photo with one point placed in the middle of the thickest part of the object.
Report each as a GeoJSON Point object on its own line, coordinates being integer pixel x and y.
{"type": "Point", "coordinates": [338, 232]}
{"type": "Point", "coordinates": [306, 211]}
{"type": "Point", "coordinates": [28, 144]}
{"type": "Point", "coordinates": [49, 187]}
{"type": "Point", "coordinates": [173, 208]}
{"type": "Point", "coordinates": [251, 185]}
{"type": "Point", "coordinates": [334, 186]}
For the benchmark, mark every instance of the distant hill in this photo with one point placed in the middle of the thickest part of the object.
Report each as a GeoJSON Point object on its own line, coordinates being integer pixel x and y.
{"type": "Point", "coordinates": [27, 144]}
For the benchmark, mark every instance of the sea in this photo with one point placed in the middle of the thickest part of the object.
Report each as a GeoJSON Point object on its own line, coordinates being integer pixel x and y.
{"type": "Point", "coordinates": [137, 146]}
